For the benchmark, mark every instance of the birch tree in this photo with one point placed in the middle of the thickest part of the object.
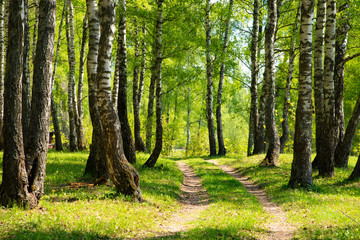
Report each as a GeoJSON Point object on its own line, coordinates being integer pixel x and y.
{"type": "Point", "coordinates": [269, 88]}
{"type": "Point", "coordinates": [301, 171]}
{"type": "Point", "coordinates": [127, 139]}
{"type": "Point", "coordinates": [209, 78]}
{"type": "Point", "coordinates": [125, 178]}
{"type": "Point", "coordinates": [326, 151]}
{"type": "Point", "coordinates": [222, 149]}
{"type": "Point", "coordinates": [156, 74]}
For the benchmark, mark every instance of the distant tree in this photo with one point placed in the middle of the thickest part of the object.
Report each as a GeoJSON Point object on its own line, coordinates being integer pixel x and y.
{"type": "Point", "coordinates": [138, 86]}
{"type": "Point", "coordinates": [222, 149]}
{"type": "Point", "coordinates": [269, 88]}
{"type": "Point", "coordinates": [54, 109]}
{"type": "Point", "coordinates": [254, 117]}
{"type": "Point", "coordinates": [156, 74]}
{"type": "Point", "coordinates": [301, 171]}
{"type": "Point", "coordinates": [127, 138]}
{"type": "Point", "coordinates": [292, 54]}
{"type": "Point", "coordinates": [80, 128]}
{"type": "Point", "coordinates": [70, 35]}
{"type": "Point", "coordinates": [209, 78]}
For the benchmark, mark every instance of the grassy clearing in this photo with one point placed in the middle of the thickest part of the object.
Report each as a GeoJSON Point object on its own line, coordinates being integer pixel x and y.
{"type": "Point", "coordinates": [94, 213]}
{"type": "Point", "coordinates": [232, 214]}
{"type": "Point", "coordinates": [317, 213]}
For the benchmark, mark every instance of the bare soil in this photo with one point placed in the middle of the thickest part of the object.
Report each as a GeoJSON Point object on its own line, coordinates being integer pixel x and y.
{"type": "Point", "coordinates": [279, 227]}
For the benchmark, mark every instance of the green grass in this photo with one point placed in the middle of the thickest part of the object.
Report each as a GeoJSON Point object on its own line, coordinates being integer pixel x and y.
{"type": "Point", "coordinates": [94, 213]}
{"type": "Point", "coordinates": [317, 213]}
{"type": "Point", "coordinates": [98, 213]}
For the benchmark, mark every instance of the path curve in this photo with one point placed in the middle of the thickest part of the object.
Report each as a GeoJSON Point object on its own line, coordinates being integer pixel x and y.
{"type": "Point", "coordinates": [280, 228]}
{"type": "Point", "coordinates": [194, 199]}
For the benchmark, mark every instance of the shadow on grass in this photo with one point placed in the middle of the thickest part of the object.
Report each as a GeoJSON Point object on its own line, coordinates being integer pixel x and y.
{"type": "Point", "coordinates": [54, 234]}
{"type": "Point", "coordinates": [208, 234]}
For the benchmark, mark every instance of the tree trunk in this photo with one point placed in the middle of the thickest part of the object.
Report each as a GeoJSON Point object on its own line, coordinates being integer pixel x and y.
{"type": "Point", "coordinates": [342, 31]}
{"type": "Point", "coordinates": [188, 98]}
{"type": "Point", "coordinates": [125, 178]}
{"type": "Point", "coordinates": [23, 181]}
{"type": "Point", "coordinates": [36, 152]}
{"type": "Point", "coordinates": [54, 110]}
{"type": "Point", "coordinates": [222, 149]}
{"type": "Point", "coordinates": [127, 138]}
{"type": "Point", "coordinates": [327, 149]}
{"type": "Point", "coordinates": [259, 131]}
{"type": "Point", "coordinates": [96, 164]}
{"type": "Point", "coordinates": [157, 75]}
{"type": "Point", "coordinates": [285, 125]}
{"type": "Point", "coordinates": [26, 85]}
{"type": "Point", "coordinates": [343, 149]}
{"type": "Point", "coordinates": [318, 75]}
{"type": "Point", "coordinates": [253, 121]}
{"type": "Point", "coordinates": [137, 92]}
{"type": "Point", "coordinates": [269, 88]}
{"type": "Point", "coordinates": [209, 93]}
{"type": "Point", "coordinates": [150, 110]}
{"type": "Point", "coordinates": [2, 50]}
{"type": "Point", "coordinates": [35, 30]}
{"type": "Point", "coordinates": [80, 128]}
{"type": "Point", "coordinates": [355, 175]}
{"type": "Point", "coordinates": [14, 187]}
{"type": "Point", "coordinates": [71, 85]}
{"type": "Point", "coordinates": [301, 171]}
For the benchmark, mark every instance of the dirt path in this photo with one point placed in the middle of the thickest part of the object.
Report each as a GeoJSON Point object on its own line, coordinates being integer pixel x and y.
{"type": "Point", "coordinates": [279, 227]}
{"type": "Point", "coordinates": [193, 200]}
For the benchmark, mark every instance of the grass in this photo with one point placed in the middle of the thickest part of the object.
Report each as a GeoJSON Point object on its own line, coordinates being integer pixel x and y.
{"type": "Point", "coordinates": [319, 214]}
{"type": "Point", "coordinates": [98, 213]}
{"type": "Point", "coordinates": [94, 213]}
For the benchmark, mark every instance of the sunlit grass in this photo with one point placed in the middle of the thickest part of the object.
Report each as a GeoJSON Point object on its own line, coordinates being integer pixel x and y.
{"type": "Point", "coordinates": [94, 212]}
{"type": "Point", "coordinates": [319, 214]}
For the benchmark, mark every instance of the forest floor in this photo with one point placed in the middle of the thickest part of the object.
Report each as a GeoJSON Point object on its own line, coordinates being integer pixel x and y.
{"type": "Point", "coordinates": [189, 198]}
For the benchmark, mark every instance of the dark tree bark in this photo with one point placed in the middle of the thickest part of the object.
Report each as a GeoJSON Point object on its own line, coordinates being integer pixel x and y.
{"type": "Point", "coordinates": [150, 110]}
{"type": "Point", "coordinates": [327, 148]}
{"type": "Point", "coordinates": [54, 110]}
{"type": "Point", "coordinates": [96, 164]}
{"type": "Point", "coordinates": [157, 75]}
{"type": "Point", "coordinates": [26, 85]}
{"type": "Point", "coordinates": [253, 121]}
{"type": "Point", "coordinates": [222, 149]}
{"type": "Point", "coordinates": [71, 85]}
{"type": "Point", "coordinates": [127, 138]}
{"type": "Point", "coordinates": [355, 175]}
{"type": "Point", "coordinates": [125, 178]}
{"type": "Point", "coordinates": [23, 179]}
{"type": "Point", "coordinates": [14, 187]}
{"type": "Point", "coordinates": [301, 171]}
{"type": "Point", "coordinates": [342, 31]}
{"type": "Point", "coordinates": [343, 149]}
{"type": "Point", "coordinates": [319, 75]}
{"type": "Point", "coordinates": [285, 125]}
{"type": "Point", "coordinates": [137, 91]}
{"type": "Point", "coordinates": [209, 92]}
{"type": "Point", "coordinates": [36, 150]}
{"type": "Point", "coordinates": [2, 49]}
{"type": "Point", "coordinates": [80, 128]}
{"type": "Point", "coordinates": [269, 88]}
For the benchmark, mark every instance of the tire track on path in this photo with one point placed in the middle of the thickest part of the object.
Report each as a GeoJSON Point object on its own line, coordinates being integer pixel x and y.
{"type": "Point", "coordinates": [280, 228]}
